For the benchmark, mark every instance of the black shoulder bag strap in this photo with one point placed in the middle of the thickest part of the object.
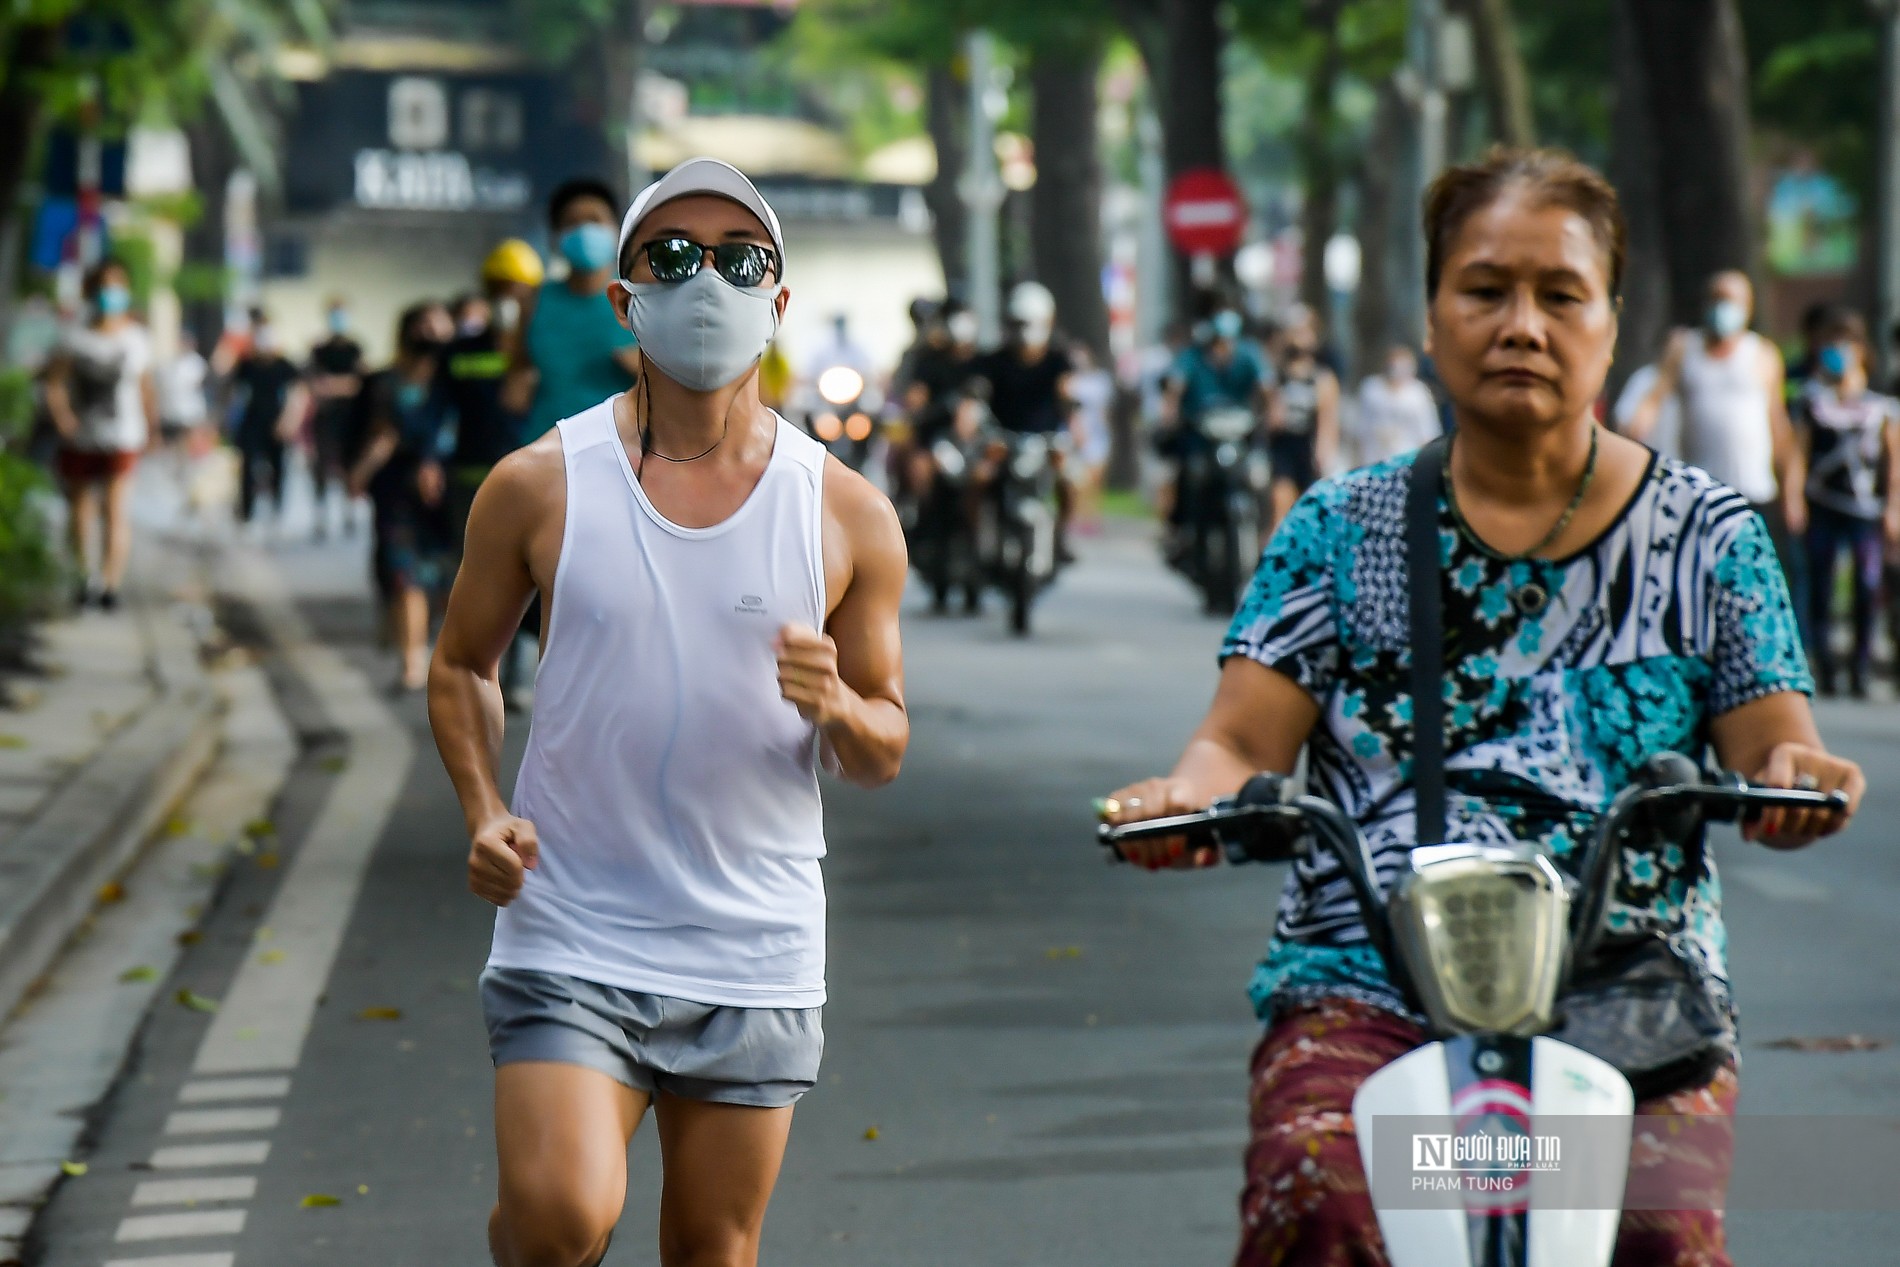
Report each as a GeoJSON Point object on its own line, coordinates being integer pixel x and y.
{"type": "Point", "coordinates": [1425, 574]}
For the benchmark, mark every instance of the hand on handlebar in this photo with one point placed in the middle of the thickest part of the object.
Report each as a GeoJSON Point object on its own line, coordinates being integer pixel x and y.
{"type": "Point", "coordinates": [1159, 798]}
{"type": "Point", "coordinates": [1797, 765]}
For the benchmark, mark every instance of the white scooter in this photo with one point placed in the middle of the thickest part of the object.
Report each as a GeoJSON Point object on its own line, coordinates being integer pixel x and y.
{"type": "Point", "coordinates": [1482, 940]}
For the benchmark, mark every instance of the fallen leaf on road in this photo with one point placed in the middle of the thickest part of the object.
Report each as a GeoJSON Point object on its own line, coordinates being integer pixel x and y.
{"type": "Point", "coordinates": [362, 1189]}
{"type": "Point", "coordinates": [206, 870]}
{"type": "Point", "coordinates": [144, 972]}
{"type": "Point", "coordinates": [264, 933]}
{"type": "Point", "coordinates": [1828, 1042]}
{"type": "Point", "coordinates": [190, 937]}
{"type": "Point", "coordinates": [196, 1002]}
{"type": "Point", "coordinates": [268, 859]}
{"type": "Point", "coordinates": [244, 846]}
{"type": "Point", "coordinates": [333, 765]}
{"type": "Point", "coordinates": [260, 827]}
{"type": "Point", "coordinates": [316, 1199]}
{"type": "Point", "coordinates": [380, 1014]}
{"type": "Point", "coordinates": [74, 1168]}
{"type": "Point", "coordinates": [1064, 952]}
{"type": "Point", "coordinates": [271, 956]}
{"type": "Point", "coordinates": [246, 1034]}
{"type": "Point", "coordinates": [177, 825]}
{"type": "Point", "coordinates": [12, 741]}
{"type": "Point", "coordinates": [870, 1132]}
{"type": "Point", "coordinates": [110, 893]}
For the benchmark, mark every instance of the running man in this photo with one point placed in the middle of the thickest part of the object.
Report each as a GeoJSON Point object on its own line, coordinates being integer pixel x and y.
{"type": "Point", "coordinates": [661, 938]}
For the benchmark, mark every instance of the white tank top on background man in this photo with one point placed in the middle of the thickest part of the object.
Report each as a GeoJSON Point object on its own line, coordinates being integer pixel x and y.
{"type": "Point", "coordinates": [674, 789]}
{"type": "Point", "coordinates": [1726, 426]}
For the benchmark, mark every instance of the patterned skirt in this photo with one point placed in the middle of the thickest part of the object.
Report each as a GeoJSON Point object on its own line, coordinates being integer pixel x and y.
{"type": "Point", "coordinates": [1305, 1203]}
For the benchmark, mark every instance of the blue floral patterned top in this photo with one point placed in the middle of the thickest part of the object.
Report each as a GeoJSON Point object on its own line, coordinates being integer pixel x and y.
{"type": "Point", "coordinates": [1675, 615]}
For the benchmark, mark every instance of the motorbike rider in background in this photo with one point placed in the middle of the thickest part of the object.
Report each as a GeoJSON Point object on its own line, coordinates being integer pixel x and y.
{"type": "Point", "coordinates": [933, 389]}
{"type": "Point", "coordinates": [1028, 380]}
{"type": "Point", "coordinates": [1220, 369]}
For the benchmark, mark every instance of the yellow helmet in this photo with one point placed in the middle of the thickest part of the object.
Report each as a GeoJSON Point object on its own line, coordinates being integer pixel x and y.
{"type": "Point", "coordinates": [513, 261]}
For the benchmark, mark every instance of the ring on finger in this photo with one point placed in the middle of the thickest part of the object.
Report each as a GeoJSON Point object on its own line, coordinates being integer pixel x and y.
{"type": "Point", "coordinates": [1806, 782]}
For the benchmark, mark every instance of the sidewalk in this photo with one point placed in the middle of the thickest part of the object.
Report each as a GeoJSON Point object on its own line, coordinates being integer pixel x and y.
{"type": "Point", "coordinates": [102, 747]}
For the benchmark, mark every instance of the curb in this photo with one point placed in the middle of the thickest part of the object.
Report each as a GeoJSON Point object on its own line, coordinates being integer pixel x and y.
{"type": "Point", "coordinates": [87, 832]}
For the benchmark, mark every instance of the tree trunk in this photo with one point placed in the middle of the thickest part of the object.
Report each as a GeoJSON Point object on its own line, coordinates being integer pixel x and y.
{"type": "Point", "coordinates": [213, 160]}
{"type": "Point", "coordinates": [1190, 110]}
{"type": "Point", "coordinates": [1381, 220]}
{"type": "Point", "coordinates": [1065, 208]}
{"type": "Point", "coordinates": [1505, 82]}
{"type": "Point", "coordinates": [1319, 162]}
{"type": "Point", "coordinates": [1698, 114]}
{"type": "Point", "coordinates": [621, 45]}
{"type": "Point", "coordinates": [946, 108]}
{"type": "Point", "coordinates": [1633, 167]}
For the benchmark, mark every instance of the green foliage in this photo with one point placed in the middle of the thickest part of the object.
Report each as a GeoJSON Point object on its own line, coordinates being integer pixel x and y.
{"type": "Point", "coordinates": [555, 30]}
{"type": "Point", "coordinates": [31, 574]}
{"type": "Point", "coordinates": [16, 408]}
{"type": "Point", "coordinates": [1816, 80]}
{"type": "Point", "coordinates": [1567, 50]}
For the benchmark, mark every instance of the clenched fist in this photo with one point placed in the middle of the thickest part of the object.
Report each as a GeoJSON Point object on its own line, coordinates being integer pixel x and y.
{"type": "Point", "coordinates": [502, 853]}
{"type": "Point", "coordinates": [808, 674]}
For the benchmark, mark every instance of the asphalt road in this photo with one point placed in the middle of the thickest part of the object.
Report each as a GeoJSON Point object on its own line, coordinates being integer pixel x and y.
{"type": "Point", "coordinates": [1049, 1052]}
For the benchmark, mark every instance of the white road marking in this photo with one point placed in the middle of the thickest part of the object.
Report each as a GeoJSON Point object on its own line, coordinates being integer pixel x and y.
{"type": "Point", "coordinates": [214, 1121]}
{"type": "Point", "coordinates": [265, 1016]}
{"type": "Point", "coordinates": [175, 1260]}
{"type": "Point", "coordinates": [1771, 882]}
{"type": "Point", "coordinates": [187, 1191]}
{"type": "Point", "coordinates": [196, 1156]}
{"type": "Point", "coordinates": [234, 1089]}
{"type": "Point", "coordinates": [154, 1227]}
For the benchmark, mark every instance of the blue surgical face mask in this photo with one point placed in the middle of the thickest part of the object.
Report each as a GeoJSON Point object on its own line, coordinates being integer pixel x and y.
{"type": "Point", "coordinates": [588, 247]}
{"type": "Point", "coordinates": [1227, 325]}
{"type": "Point", "coordinates": [114, 300]}
{"type": "Point", "coordinates": [1834, 361]}
{"type": "Point", "coordinates": [339, 321]}
{"type": "Point", "coordinates": [1727, 318]}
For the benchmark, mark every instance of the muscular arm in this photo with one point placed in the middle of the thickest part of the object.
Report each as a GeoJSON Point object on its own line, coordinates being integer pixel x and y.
{"type": "Point", "coordinates": [1791, 467]}
{"type": "Point", "coordinates": [1326, 424]}
{"type": "Point", "coordinates": [1648, 411]}
{"type": "Point", "coordinates": [491, 592]}
{"type": "Point", "coordinates": [849, 682]}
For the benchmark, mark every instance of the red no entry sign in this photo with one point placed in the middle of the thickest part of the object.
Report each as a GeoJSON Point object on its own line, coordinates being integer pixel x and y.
{"type": "Point", "coordinates": [1204, 212]}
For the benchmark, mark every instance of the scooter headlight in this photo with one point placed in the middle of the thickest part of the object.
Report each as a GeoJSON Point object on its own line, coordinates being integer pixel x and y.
{"type": "Point", "coordinates": [840, 385]}
{"type": "Point", "coordinates": [1483, 930]}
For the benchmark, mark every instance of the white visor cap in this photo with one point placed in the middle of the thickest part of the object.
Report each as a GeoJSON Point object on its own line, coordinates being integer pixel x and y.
{"type": "Point", "coordinates": [701, 176]}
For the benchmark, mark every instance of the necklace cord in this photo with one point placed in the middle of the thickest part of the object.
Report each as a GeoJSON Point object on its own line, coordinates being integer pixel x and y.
{"type": "Point", "coordinates": [1557, 529]}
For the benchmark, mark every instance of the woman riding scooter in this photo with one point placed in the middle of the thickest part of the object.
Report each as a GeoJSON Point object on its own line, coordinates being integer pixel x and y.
{"type": "Point", "coordinates": [1600, 604]}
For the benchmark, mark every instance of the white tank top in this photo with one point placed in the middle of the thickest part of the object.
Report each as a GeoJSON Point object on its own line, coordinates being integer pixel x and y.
{"type": "Point", "coordinates": [1725, 425]}
{"type": "Point", "coordinates": [675, 792]}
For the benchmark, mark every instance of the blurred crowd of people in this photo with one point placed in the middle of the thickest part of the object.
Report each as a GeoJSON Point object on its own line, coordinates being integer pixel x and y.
{"type": "Point", "coordinates": [1812, 444]}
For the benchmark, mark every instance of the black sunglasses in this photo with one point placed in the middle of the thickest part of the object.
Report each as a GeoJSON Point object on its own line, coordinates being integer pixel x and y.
{"type": "Point", "coordinates": [744, 264]}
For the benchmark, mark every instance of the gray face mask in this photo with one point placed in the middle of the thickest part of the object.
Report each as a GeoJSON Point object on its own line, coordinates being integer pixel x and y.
{"type": "Point", "coordinates": [704, 332]}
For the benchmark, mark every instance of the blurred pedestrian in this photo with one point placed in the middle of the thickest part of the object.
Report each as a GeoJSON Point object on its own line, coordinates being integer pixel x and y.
{"type": "Point", "coordinates": [1093, 387]}
{"type": "Point", "coordinates": [183, 410]}
{"type": "Point", "coordinates": [576, 353]}
{"type": "Point", "coordinates": [1396, 413]}
{"type": "Point", "coordinates": [474, 367]}
{"type": "Point", "coordinates": [1665, 437]}
{"type": "Point", "coordinates": [1729, 381]}
{"type": "Point", "coordinates": [270, 402]}
{"type": "Point", "coordinates": [335, 376]}
{"type": "Point", "coordinates": [1852, 436]}
{"type": "Point", "coordinates": [411, 434]}
{"type": "Point", "coordinates": [102, 399]}
{"type": "Point", "coordinates": [1303, 420]}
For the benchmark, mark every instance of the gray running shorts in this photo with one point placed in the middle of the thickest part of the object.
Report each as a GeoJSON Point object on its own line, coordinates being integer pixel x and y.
{"type": "Point", "coordinates": [760, 1056]}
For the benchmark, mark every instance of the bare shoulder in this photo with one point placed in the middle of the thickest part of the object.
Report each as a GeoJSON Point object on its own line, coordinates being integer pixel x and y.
{"type": "Point", "coordinates": [526, 486]}
{"type": "Point", "coordinates": [864, 518]}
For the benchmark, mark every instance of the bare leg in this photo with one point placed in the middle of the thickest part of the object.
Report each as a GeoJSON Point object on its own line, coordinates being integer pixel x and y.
{"type": "Point", "coordinates": [82, 507]}
{"type": "Point", "coordinates": [721, 1161]}
{"type": "Point", "coordinates": [561, 1133]}
{"type": "Point", "coordinates": [118, 531]}
{"type": "Point", "coordinates": [409, 613]}
{"type": "Point", "coordinates": [1281, 498]}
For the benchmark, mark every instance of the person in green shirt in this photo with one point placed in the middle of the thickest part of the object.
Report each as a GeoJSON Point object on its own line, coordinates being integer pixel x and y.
{"type": "Point", "coordinates": [575, 353]}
